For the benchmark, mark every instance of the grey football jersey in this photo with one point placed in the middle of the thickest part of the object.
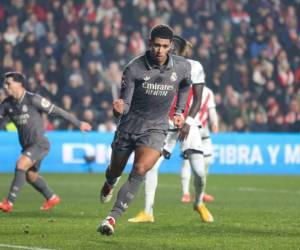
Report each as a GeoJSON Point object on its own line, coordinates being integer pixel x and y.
{"type": "Point", "coordinates": [26, 114]}
{"type": "Point", "coordinates": [148, 91]}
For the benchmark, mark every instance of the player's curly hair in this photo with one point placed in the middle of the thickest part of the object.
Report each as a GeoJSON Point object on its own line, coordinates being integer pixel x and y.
{"type": "Point", "coordinates": [180, 46]}
{"type": "Point", "coordinates": [16, 76]}
{"type": "Point", "coordinates": [161, 31]}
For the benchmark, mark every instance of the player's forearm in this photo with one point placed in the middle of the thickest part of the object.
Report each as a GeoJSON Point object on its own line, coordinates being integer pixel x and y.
{"type": "Point", "coordinates": [56, 111]}
{"type": "Point", "coordinates": [197, 99]}
{"type": "Point", "coordinates": [182, 97]}
{"type": "Point", "coordinates": [213, 117]}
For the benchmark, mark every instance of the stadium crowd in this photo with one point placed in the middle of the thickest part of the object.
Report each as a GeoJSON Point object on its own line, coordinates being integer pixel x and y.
{"type": "Point", "coordinates": [73, 52]}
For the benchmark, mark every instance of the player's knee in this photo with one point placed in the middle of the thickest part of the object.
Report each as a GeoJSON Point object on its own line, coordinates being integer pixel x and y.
{"type": "Point", "coordinates": [141, 168]}
{"type": "Point", "coordinates": [207, 159]}
{"type": "Point", "coordinates": [21, 165]}
{"type": "Point", "coordinates": [31, 176]}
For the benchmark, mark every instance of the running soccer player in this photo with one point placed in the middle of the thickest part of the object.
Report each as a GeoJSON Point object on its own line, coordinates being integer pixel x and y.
{"type": "Point", "coordinates": [149, 85]}
{"type": "Point", "coordinates": [192, 148]}
{"type": "Point", "coordinates": [25, 110]}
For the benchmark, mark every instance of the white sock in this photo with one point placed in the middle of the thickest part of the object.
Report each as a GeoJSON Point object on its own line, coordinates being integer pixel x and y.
{"type": "Point", "coordinates": [206, 162]}
{"type": "Point", "coordinates": [150, 186]}
{"type": "Point", "coordinates": [198, 168]}
{"type": "Point", "coordinates": [185, 176]}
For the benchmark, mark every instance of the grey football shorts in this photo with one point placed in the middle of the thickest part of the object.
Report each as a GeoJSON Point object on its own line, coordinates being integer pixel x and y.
{"type": "Point", "coordinates": [124, 141]}
{"type": "Point", "coordinates": [36, 153]}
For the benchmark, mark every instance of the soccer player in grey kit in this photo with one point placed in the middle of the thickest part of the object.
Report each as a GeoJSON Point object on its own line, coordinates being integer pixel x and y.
{"type": "Point", "coordinates": [149, 85]}
{"type": "Point", "coordinates": [25, 110]}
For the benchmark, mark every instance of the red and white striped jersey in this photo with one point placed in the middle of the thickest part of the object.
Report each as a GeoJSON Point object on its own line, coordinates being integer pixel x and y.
{"type": "Point", "coordinates": [197, 76]}
{"type": "Point", "coordinates": [208, 100]}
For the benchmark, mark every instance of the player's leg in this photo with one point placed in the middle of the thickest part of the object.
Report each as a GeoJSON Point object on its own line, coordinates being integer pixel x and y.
{"type": "Point", "coordinates": [112, 174]}
{"type": "Point", "coordinates": [144, 160]}
{"type": "Point", "coordinates": [22, 165]}
{"type": "Point", "coordinates": [193, 150]}
{"type": "Point", "coordinates": [147, 152]}
{"type": "Point", "coordinates": [121, 150]}
{"type": "Point", "coordinates": [151, 180]}
{"type": "Point", "coordinates": [185, 180]}
{"type": "Point", "coordinates": [207, 150]}
{"type": "Point", "coordinates": [37, 182]}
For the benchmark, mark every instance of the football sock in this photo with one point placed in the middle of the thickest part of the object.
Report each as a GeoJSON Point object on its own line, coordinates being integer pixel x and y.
{"type": "Point", "coordinates": [16, 185]}
{"type": "Point", "coordinates": [126, 195]}
{"type": "Point", "coordinates": [150, 186]}
{"type": "Point", "coordinates": [198, 168]}
{"type": "Point", "coordinates": [185, 176]}
{"type": "Point", "coordinates": [206, 172]}
{"type": "Point", "coordinates": [41, 186]}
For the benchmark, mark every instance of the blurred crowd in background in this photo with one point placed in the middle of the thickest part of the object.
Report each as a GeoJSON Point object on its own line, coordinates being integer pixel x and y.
{"type": "Point", "coordinates": [73, 52]}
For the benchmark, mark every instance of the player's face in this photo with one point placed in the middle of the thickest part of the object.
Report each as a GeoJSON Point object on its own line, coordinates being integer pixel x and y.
{"type": "Point", "coordinates": [159, 49]}
{"type": "Point", "coordinates": [11, 87]}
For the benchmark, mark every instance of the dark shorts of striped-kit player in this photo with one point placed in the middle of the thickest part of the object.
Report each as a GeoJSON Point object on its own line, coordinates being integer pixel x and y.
{"type": "Point", "coordinates": [124, 141]}
{"type": "Point", "coordinates": [36, 152]}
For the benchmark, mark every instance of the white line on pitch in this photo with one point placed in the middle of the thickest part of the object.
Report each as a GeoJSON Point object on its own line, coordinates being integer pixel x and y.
{"type": "Point", "coordinates": [22, 247]}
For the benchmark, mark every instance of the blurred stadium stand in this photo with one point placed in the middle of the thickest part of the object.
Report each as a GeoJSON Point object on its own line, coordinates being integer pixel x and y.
{"type": "Point", "coordinates": [74, 51]}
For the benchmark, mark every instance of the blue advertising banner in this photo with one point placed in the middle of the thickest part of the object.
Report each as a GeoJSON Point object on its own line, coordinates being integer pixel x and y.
{"type": "Point", "coordinates": [234, 153]}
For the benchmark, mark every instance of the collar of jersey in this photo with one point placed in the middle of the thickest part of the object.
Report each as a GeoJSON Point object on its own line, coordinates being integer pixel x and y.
{"type": "Point", "coordinates": [22, 97]}
{"type": "Point", "coordinates": [152, 65]}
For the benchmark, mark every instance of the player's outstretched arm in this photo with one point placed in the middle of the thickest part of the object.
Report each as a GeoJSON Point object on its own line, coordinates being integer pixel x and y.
{"type": "Point", "coordinates": [82, 125]}
{"type": "Point", "coordinates": [197, 99]}
{"type": "Point", "coordinates": [46, 106]}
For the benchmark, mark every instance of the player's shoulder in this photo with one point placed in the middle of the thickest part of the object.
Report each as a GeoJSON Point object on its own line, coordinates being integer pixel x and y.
{"type": "Point", "coordinates": [195, 64]}
{"type": "Point", "coordinates": [7, 100]}
{"type": "Point", "coordinates": [31, 96]}
{"type": "Point", "coordinates": [180, 62]}
{"type": "Point", "coordinates": [179, 59]}
{"type": "Point", "coordinates": [136, 62]}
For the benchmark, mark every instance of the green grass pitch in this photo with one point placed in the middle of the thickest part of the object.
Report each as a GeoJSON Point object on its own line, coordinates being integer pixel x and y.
{"type": "Point", "coordinates": [250, 212]}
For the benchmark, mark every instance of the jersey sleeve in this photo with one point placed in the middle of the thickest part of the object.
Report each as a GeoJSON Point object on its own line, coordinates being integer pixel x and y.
{"type": "Point", "coordinates": [44, 105]}
{"type": "Point", "coordinates": [127, 88]}
{"type": "Point", "coordinates": [197, 73]}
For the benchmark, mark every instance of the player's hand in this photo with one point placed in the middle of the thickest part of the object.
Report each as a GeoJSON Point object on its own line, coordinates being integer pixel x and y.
{"type": "Point", "coordinates": [118, 106]}
{"type": "Point", "coordinates": [214, 129]}
{"type": "Point", "coordinates": [178, 120]}
{"type": "Point", "coordinates": [84, 126]}
{"type": "Point", "coordinates": [184, 132]}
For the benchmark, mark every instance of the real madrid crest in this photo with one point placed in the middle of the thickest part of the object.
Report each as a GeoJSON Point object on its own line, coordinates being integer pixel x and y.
{"type": "Point", "coordinates": [173, 77]}
{"type": "Point", "coordinates": [24, 108]}
{"type": "Point", "coordinates": [45, 103]}
{"type": "Point", "coordinates": [146, 78]}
